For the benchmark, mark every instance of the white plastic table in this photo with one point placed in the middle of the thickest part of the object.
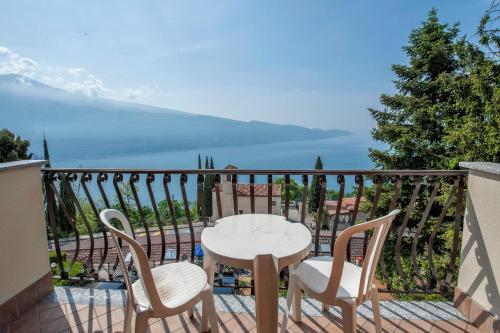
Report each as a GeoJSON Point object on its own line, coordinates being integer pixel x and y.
{"type": "Point", "coordinates": [262, 243]}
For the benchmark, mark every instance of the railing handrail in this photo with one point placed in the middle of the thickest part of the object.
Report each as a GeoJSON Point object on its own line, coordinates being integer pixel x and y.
{"type": "Point", "coordinates": [299, 172]}
{"type": "Point", "coordinates": [431, 194]}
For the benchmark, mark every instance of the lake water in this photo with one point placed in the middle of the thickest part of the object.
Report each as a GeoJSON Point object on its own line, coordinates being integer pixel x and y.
{"type": "Point", "coordinates": [349, 152]}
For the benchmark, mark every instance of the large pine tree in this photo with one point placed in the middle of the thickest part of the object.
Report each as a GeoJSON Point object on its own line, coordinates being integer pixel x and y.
{"type": "Point", "coordinates": [446, 108]}
{"type": "Point", "coordinates": [445, 111]}
{"type": "Point", "coordinates": [411, 124]}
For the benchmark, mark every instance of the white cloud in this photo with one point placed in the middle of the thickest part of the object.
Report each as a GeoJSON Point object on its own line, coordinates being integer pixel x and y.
{"type": "Point", "coordinates": [73, 79]}
{"type": "Point", "coordinates": [12, 63]}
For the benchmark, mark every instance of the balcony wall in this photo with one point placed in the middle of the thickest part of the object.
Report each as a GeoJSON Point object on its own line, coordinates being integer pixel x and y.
{"type": "Point", "coordinates": [24, 260]}
{"type": "Point", "coordinates": [478, 294]}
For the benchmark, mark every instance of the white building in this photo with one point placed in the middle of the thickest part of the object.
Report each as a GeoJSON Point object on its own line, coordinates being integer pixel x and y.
{"type": "Point", "coordinates": [243, 197]}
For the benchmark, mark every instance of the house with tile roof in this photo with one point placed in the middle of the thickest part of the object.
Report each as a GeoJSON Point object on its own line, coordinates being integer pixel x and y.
{"type": "Point", "coordinates": [345, 214]}
{"type": "Point", "coordinates": [243, 193]}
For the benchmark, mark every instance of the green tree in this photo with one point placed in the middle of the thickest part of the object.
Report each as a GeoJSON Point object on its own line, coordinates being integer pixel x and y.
{"type": "Point", "coordinates": [12, 147]}
{"type": "Point", "coordinates": [445, 111]}
{"type": "Point", "coordinates": [446, 108]}
{"type": "Point", "coordinates": [295, 188]}
{"type": "Point", "coordinates": [488, 31]}
{"type": "Point", "coordinates": [315, 188]}
{"type": "Point", "coordinates": [165, 211]}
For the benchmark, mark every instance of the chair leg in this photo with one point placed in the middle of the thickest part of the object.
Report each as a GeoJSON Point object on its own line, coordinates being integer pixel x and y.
{"type": "Point", "coordinates": [289, 299]}
{"type": "Point", "coordinates": [325, 307]}
{"type": "Point", "coordinates": [209, 314]}
{"type": "Point", "coordinates": [376, 310]}
{"type": "Point", "coordinates": [349, 317]}
{"type": "Point", "coordinates": [296, 302]}
{"type": "Point", "coordinates": [127, 326]}
{"type": "Point", "coordinates": [141, 323]}
{"type": "Point", "coordinates": [190, 313]}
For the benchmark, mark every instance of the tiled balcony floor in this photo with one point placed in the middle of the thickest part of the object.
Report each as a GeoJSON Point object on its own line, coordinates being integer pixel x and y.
{"type": "Point", "coordinates": [73, 310]}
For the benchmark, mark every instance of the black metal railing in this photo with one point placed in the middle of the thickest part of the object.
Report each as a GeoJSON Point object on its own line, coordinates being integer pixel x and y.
{"type": "Point", "coordinates": [420, 255]}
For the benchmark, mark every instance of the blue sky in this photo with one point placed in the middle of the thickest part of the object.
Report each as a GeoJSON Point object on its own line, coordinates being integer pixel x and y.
{"type": "Point", "coordinates": [312, 63]}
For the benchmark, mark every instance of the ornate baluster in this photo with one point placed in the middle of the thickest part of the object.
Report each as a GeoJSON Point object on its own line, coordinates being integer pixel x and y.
{"type": "Point", "coordinates": [305, 181]}
{"type": "Point", "coordinates": [150, 178]}
{"type": "Point", "coordinates": [341, 182]}
{"type": "Point", "coordinates": [71, 178]}
{"type": "Point", "coordinates": [134, 178]}
{"type": "Point", "coordinates": [419, 280]}
{"type": "Point", "coordinates": [217, 196]}
{"type": "Point", "coordinates": [442, 286]}
{"type": "Point", "coordinates": [49, 178]}
{"type": "Point", "coordinates": [84, 179]}
{"type": "Point", "coordinates": [377, 180]}
{"type": "Point", "coordinates": [166, 180]}
{"type": "Point", "coordinates": [234, 182]}
{"type": "Point", "coordinates": [252, 194]}
{"type": "Point", "coordinates": [416, 182]}
{"type": "Point", "coordinates": [102, 178]}
{"type": "Point", "coordinates": [319, 218]}
{"type": "Point", "coordinates": [269, 194]}
{"type": "Point", "coordinates": [183, 182]}
{"type": "Point", "coordinates": [202, 209]}
{"type": "Point", "coordinates": [456, 232]}
{"type": "Point", "coordinates": [358, 179]}
{"type": "Point", "coordinates": [118, 178]}
{"type": "Point", "coordinates": [287, 195]}
{"type": "Point", "coordinates": [61, 176]}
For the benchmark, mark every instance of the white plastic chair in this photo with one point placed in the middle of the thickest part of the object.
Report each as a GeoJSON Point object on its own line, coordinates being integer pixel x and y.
{"type": "Point", "coordinates": [163, 291]}
{"type": "Point", "coordinates": [334, 281]}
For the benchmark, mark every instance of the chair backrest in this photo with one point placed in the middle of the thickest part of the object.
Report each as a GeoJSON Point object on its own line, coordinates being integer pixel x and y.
{"type": "Point", "coordinates": [139, 257]}
{"type": "Point", "coordinates": [380, 229]}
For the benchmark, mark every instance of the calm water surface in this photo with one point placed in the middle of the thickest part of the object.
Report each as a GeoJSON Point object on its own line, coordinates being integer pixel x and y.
{"type": "Point", "coordinates": [350, 152]}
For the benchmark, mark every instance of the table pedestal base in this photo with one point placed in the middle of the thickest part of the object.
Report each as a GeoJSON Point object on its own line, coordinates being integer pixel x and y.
{"type": "Point", "coordinates": [266, 293]}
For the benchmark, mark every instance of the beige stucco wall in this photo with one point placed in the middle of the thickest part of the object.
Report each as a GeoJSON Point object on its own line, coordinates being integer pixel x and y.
{"type": "Point", "coordinates": [226, 198]}
{"type": "Point", "coordinates": [479, 274]}
{"type": "Point", "coordinates": [23, 239]}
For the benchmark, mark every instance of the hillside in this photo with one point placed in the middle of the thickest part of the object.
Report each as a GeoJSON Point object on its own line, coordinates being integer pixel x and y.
{"type": "Point", "coordinates": [83, 127]}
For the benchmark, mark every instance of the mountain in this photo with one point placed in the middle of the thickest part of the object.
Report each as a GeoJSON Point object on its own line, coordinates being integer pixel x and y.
{"type": "Point", "coordinates": [90, 127]}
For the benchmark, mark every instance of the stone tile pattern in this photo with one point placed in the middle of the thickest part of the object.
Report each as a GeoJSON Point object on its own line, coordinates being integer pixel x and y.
{"type": "Point", "coordinates": [25, 300]}
{"type": "Point", "coordinates": [475, 313]}
{"type": "Point", "coordinates": [84, 310]}
{"type": "Point", "coordinates": [49, 317]}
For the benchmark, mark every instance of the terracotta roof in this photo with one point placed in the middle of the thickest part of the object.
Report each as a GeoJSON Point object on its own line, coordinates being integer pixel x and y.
{"type": "Point", "coordinates": [347, 205]}
{"type": "Point", "coordinates": [260, 190]}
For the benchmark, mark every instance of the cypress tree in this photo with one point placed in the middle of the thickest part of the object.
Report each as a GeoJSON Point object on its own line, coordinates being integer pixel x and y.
{"type": "Point", "coordinates": [46, 152]}
{"type": "Point", "coordinates": [198, 199]}
{"type": "Point", "coordinates": [315, 188]}
{"type": "Point", "coordinates": [63, 221]}
{"type": "Point", "coordinates": [208, 186]}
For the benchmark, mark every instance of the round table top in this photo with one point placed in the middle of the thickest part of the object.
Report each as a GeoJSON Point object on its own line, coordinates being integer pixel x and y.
{"type": "Point", "coordinates": [241, 237]}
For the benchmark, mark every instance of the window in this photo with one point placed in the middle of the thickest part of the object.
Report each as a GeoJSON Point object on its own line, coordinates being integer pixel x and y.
{"type": "Point", "coordinates": [241, 211]}
{"type": "Point", "coordinates": [274, 203]}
